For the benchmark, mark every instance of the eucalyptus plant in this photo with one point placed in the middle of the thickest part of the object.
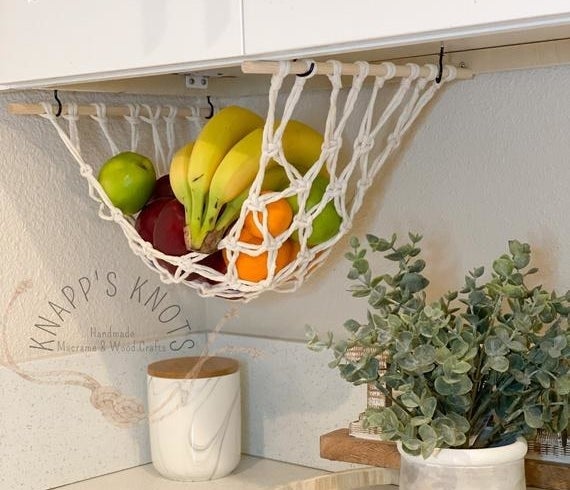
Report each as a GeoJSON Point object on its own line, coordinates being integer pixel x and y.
{"type": "Point", "coordinates": [476, 368]}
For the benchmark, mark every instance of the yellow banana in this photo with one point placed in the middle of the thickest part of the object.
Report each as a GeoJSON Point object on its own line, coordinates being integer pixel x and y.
{"type": "Point", "coordinates": [275, 179]}
{"type": "Point", "coordinates": [178, 173]}
{"type": "Point", "coordinates": [178, 179]}
{"type": "Point", "coordinates": [233, 176]}
{"type": "Point", "coordinates": [219, 134]}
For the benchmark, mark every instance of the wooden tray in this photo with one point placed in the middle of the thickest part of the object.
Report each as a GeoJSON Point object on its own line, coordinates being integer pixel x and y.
{"type": "Point", "coordinates": [349, 480]}
{"type": "Point", "coordinates": [340, 446]}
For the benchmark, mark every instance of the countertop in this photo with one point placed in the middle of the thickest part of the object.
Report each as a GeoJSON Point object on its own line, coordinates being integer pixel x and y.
{"type": "Point", "coordinates": [251, 474]}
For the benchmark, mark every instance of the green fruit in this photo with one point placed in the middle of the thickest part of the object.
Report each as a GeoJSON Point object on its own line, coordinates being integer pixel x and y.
{"type": "Point", "coordinates": [327, 223]}
{"type": "Point", "coordinates": [128, 179]}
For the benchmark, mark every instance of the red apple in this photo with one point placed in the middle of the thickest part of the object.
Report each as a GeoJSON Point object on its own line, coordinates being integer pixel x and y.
{"type": "Point", "coordinates": [162, 189]}
{"type": "Point", "coordinates": [146, 219]}
{"type": "Point", "coordinates": [168, 236]}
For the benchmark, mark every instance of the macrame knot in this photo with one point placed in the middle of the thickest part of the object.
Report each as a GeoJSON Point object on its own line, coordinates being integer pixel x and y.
{"type": "Point", "coordinates": [271, 149]}
{"type": "Point", "coordinates": [86, 171]}
{"type": "Point", "coordinates": [120, 410]}
{"type": "Point", "coordinates": [300, 185]}
{"type": "Point", "coordinates": [116, 214]}
{"type": "Point", "coordinates": [302, 221]}
{"type": "Point", "coordinates": [332, 146]}
{"type": "Point", "coordinates": [394, 140]}
{"type": "Point", "coordinates": [364, 144]}
{"type": "Point", "coordinates": [365, 183]}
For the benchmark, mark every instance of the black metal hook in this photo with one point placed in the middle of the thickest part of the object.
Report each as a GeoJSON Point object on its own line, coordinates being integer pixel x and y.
{"type": "Point", "coordinates": [440, 65]}
{"type": "Point", "coordinates": [59, 104]}
{"type": "Point", "coordinates": [209, 116]}
{"type": "Point", "coordinates": [308, 72]}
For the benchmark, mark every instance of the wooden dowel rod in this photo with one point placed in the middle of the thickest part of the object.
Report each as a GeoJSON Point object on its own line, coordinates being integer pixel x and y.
{"type": "Point", "coordinates": [86, 110]}
{"type": "Point", "coordinates": [298, 67]}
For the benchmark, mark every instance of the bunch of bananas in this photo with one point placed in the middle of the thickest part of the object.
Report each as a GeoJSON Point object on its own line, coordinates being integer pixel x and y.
{"type": "Point", "coordinates": [212, 176]}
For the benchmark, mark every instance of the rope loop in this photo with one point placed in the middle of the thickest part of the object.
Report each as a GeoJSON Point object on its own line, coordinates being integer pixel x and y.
{"type": "Point", "coordinates": [433, 71]}
{"type": "Point", "coordinates": [451, 73]}
{"type": "Point", "coordinates": [390, 70]}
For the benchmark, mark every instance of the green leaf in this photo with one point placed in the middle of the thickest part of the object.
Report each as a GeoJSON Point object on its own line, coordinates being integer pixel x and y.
{"type": "Point", "coordinates": [517, 248]}
{"type": "Point", "coordinates": [453, 366]}
{"type": "Point", "coordinates": [461, 386]}
{"type": "Point", "coordinates": [494, 346]}
{"type": "Point", "coordinates": [562, 384]}
{"type": "Point", "coordinates": [459, 347]}
{"type": "Point", "coordinates": [354, 242]}
{"type": "Point", "coordinates": [503, 266]}
{"type": "Point", "coordinates": [513, 291]}
{"type": "Point", "coordinates": [410, 399]}
{"type": "Point", "coordinates": [521, 260]}
{"type": "Point", "coordinates": [351, 325]}
{"type": "Point", "coordinates": [353, 274]}
{"type": "Point", "coordinates": [427, 433]}
{"type": "Point", "coordinates": [404, 340]}
{"type": "Point", "coordinates": [425, 354]}
{"type": "Point", "coordinates": [360, 291]}
{"type": "Point", "coordinates": [361, 265]}
{"type": "Point", "coordinates": [417, 266]}
{"type": "Point", "coordinates": [429, 440]}
{"type": "Point", "coordinates": [498, 363]}
{"type": "Point", "coordinates": [411, 443]}
{"type": "Point", "coordinates": [461, 423]}
{"type": "Point", "coordinates": [478, 272]}
{"type": "Point", "coordinates": [533, 416]}
{"type": "Point", "coordinates": [377, 296]}
{"type": "Point", "coordinates": [428, 406]}
{"type": "Point", "coordinates": [419, 420]}
{"type": "Point", "coordinates": [372, 240]}
{"type": "Point", "coordinates": [477, 297]}
{"type": "Point", "coordinates": [415, 237]}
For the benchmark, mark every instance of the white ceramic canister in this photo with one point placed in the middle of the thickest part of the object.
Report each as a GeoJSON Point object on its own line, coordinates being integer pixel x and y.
{"type": "Point", "coordinates": [194, 417]}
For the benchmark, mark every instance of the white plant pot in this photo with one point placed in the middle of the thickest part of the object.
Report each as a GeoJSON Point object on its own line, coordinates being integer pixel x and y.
{"type": "Point", "coordinates": [497, 468]}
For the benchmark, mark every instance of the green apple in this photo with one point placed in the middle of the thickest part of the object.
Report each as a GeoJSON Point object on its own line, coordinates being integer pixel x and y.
{"type": "Point", "coordinates": [327, 223]}
{"type": "Point", "coordinates": [128, 179]}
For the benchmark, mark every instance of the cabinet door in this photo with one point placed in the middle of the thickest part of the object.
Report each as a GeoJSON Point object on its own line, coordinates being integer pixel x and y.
{"type": "Point", "coordinates": [76, 40]}
{"type": "Point", "coordinates": [326, 26]}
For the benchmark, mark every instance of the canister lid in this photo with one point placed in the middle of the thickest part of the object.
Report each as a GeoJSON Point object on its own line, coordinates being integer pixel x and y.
{"type": "Point", "coordinates": [193, 367]}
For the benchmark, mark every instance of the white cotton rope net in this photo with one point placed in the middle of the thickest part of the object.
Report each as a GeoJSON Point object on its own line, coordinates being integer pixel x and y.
{"type": "Point", "coordinates": [381, 125]}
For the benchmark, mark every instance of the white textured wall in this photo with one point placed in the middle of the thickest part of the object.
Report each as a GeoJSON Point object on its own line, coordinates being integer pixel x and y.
{"type": "Point", "coordinates": [487, 163]}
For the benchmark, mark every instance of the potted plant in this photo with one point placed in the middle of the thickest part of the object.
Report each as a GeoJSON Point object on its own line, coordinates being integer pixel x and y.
{"type": "Point", "coordinates": [468, 375]}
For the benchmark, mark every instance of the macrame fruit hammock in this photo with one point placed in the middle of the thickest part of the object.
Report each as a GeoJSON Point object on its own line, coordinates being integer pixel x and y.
{"type": "Point", "coordinates": [258, 229]}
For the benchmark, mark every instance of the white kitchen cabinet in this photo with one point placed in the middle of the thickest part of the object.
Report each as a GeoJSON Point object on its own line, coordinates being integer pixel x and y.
{"type": "Point", "coordinates": [81, 40]}
{"type": "Point", "coordinates": [126, 44]}
{"type": "Point", "coordinates": [328, 26]}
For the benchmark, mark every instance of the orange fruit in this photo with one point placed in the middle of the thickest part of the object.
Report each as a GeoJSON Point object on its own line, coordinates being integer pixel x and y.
{"type": "Point", "coordinates": [279, 218]}
{"type": "Point", "coordinates": [255, 269]}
